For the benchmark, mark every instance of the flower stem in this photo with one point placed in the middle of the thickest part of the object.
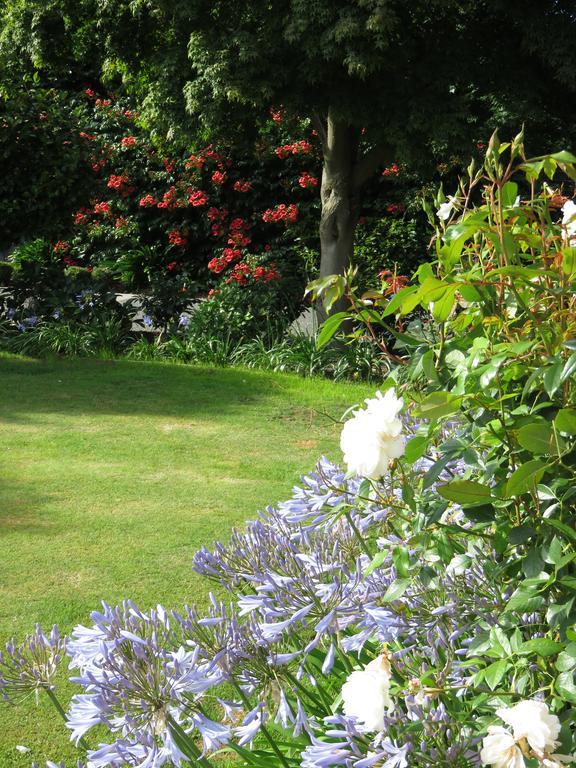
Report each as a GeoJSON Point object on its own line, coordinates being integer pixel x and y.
{"type": "Point", "coordinates": [60, 709]}
{"type": "Point", "coordinates": [363, 545]}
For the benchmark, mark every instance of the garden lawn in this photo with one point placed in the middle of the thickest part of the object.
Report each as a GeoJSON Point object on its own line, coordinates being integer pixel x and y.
{"type": "Point", "coordinates": [113, 473]}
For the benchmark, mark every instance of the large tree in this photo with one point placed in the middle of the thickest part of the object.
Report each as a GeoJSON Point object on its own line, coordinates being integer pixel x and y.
{"type": "Point", "coordinates": [381, 80]}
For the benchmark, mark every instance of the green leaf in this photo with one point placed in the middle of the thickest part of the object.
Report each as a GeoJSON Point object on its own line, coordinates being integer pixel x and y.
{"type": "Point", "coordinates": [376, 562]}
{"type": "Point", "coordinates": [538, 438]}
{"type": "Point", "coordinates": [438, 405]}
{"type": "Point", "coordinates": [543, 646]}
{"type": "Point", "coordinates": [330, 327]}
{"type": "Point", "coordinates": [565, 421]}
{"type": "Point", "coordinates": [565, 687]}
{"type": "Point", "coordinates": [568, 368]}
{"type": "Point", "coordinates": [567, 659]}
{"type": "Point", "coordinates": [415, 448]}
{"type": "Point", "coordinates": [553, 378]}
{"type": "Point", "coordinates": [396, 590]}
{"type": "Point", "coordinates": [401, 560]}
{"type": "Point", "coordinates": [508, 194]}
{"type": "Point", "coordinates": [398, 299]}
{"type": "Point", "coordinates": [569, 261]}
{"type": "Point", "coordinates": [525, 478]}
{"type": "Point", "coordinates": [494, 673]}
{"type": "Point", "coordinates": [525, 598]}
{"type": "Point", "coordinates": [465, 492]}
{"type": "Point", "coordinates": [443, 306]}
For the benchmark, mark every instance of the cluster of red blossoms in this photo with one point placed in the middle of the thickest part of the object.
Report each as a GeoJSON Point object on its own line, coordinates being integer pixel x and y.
{"type": "Point", "coordinates": [148, 201]}
{"type": "Point", "coordinates": [395, 209]}
{"type": "Point", "coordinates": [217, 217]}
{"type": "Point", "coordinates": [242, 273]}
{"type": "Point", "coordinates": [276, 114]}
{"type": "Point", "coordinates": [103, 208]}
{"type": "Point", "coordinates": [219, 177]}
{"type": "Point", "coordinates": [121, 184]}
{"type": "Point", "coordinates": [87, 136]}
{"type": "Point", "coordinates": [219, 263]}
{"type": "Point", "coordinates": [307, 181]}
{"type": "Point", "coordinates": [238, 233]}
{"type": "Point", "coordinates": [177, 238]}
{"type": "Point", "coordinates": [286, 213]}
{"type": "Point", "coordinates": [103, 103]}
{"type": "Point", "coordinates": [128, 141]}
{"type": "Point", "coordinates": [302, 147]}
{"type": "Point", "coordinates": [196, 162]}
{"type": "Point", "coordinates": [392, 170]}
{"type": "Point", "coordinates": [242, 186]}
{"type": "Point", "coordinates": [197, 198]}
{"type": "Point", "coordinates": [61, 246]}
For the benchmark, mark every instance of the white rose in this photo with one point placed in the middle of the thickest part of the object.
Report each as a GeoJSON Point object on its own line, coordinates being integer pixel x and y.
{"type": "Point", "coordinates": [500, 749]}
{"type": "Point", "coordinates": [445, 211]}
{"type": "Point", "coordinates": [372, 438]}
{"type": "Point", "coordinates": [531, 720]}
{"type": "Point", "coordinates": [569, 219]}
{"type": "Point", "coordinates": [366, 695]}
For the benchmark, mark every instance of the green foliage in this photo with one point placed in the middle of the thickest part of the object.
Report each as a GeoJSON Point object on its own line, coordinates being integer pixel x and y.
{"type": "Point", "coordinates": [492, 350]}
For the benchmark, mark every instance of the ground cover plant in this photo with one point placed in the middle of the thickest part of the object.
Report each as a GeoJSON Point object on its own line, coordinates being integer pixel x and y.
{"type": "Point", "coordinates": [413, 607]}
{"type": "Point", "coordinates": [115, 473]}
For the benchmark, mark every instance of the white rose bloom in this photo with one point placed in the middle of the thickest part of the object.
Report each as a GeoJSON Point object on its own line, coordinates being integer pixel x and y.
{"type": "Point", "coordinates": [500, 749]}
{"type": "Point", "coordinates": [557, 761]}
{"type": "Point", "coordinates": [372, 438]}
{"type": "Point", "coordinates": [366, 695]}
{"type": "Point", "coordinates": [445, 211]}
{"type": "Point", "coordinates": [531, 720]}
{"type": "Point", "coordinates": [569, 219]}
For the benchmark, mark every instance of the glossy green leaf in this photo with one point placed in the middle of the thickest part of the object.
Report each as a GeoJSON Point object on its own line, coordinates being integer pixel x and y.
{"type": "Point", "coordinates": [543, 646]}
{"type": "Point", "coordinates": [537, 438]}
{"type": "Point", "coordinates": [465, 492]}
{"type": "Point", "coordinates": [525, 478]}
{"type": "Point", "coordinates": [565, 421]}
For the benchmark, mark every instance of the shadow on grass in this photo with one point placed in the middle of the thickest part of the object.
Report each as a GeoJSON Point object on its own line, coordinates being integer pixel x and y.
{"type": "Point", "coordinates": [89, 386]}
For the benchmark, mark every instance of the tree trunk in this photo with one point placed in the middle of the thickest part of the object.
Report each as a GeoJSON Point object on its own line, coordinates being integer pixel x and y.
{"type": "Point", "coordinates": [339, 198]}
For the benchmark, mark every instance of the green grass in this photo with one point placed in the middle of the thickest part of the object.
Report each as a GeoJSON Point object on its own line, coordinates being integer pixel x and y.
{"type": "Point", "coordinates": [113, 473]}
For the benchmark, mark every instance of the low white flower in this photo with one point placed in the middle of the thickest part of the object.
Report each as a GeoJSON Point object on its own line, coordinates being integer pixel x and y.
{"type": "Point", "coordinates": [569, 219]}
{"type": "Point", "coordinates": [22, 749]}
{"type": "Point", "coordinates": [499, 749]}
{"type": "Point", "coordinates": [366, 695]}
{"type": "Point", "coordinates": [531, 720]}
{"type": "Point", "coordinates": [445, 210]}
{"type": "Point", "coordinates": [557, 761]}
{"type": "Point", "coordinates": [372, 438]}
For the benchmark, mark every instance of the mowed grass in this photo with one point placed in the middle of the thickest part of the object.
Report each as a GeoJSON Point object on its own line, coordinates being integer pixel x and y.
{"type": "Point", "coordinates": [113, 473]}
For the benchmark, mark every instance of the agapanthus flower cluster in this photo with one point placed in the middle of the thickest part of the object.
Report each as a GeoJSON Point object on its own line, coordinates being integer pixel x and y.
{"type": "Point", "coordinates": [30, 666]}
{"type": "Point", "coordinates": [321, 635]}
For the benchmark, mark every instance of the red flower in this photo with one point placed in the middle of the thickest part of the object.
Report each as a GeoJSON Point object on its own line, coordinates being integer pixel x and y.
{"type": "Point", "coordinates": [395, 208]}
{"type": "Point", "coordinates": [195, 161]}
{"type": "Point", "coordinates": [61, 246]}
{"type": "Point", "coordinates": [176, 238]}
{"type": "Point", "coordinates": [87, 136]}
{"type": "Point", "coordinates": [287, 214]}
{"type": "Point", "coordinates": [90, 93]}
{"type": "Point", "coordinates": [219, 177]}
{"type": "Point", "coordinates": [276, 114]}
{"type": "Point", "coordinates": [169, 166]}
{"type": "Point", "coordinates": [79, 218]}
{"type": "Point", "coordinates": [198, 198]}
{"type": "Point", "coordinates": [102, 208]}
{"type": "Point", "coordinates": [147, 201]}
{"type": "Point", "coordinates": [128, 141]}
{"type": "Point", "coordinates": [120, 222]}
{"type": "Point", "coordinates": [172, 266]}
{"type": "Point", "coordinates": [242, 186]}
{"type": "Point", "coordinates": [307, 181]}
{"type": "Point", "coordinates": [297, 148]}
{"type": "Point", "coordinates": [393, 170]}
